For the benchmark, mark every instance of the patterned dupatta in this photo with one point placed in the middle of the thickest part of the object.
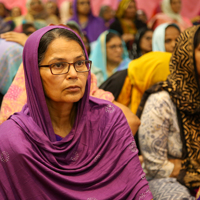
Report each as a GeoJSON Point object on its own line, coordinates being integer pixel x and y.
{"type": "Point", "coordinates": [183, 86]}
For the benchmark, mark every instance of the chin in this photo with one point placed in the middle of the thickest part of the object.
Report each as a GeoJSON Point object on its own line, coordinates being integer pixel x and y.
{"type": "Point", "coordinates": [73, 98]}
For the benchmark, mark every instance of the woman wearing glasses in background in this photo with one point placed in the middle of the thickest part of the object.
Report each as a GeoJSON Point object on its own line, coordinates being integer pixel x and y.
{"type": "Point", "coordinates": [109, 55]}
{"type": "Point", "coordinates": [65, 144]}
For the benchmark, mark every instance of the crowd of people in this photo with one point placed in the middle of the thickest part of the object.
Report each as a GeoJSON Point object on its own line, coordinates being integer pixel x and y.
{"type": "Point", "coordinates": [99, 107]}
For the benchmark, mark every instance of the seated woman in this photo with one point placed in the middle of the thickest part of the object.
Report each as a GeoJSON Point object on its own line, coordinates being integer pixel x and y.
{"type": "Point", "coordinates": [171, 14]}
{"type": "Point", "coordinates": [91, 25]}
{"type": "Point", "coordinates": [128, 86]}
{"type": "Point", "coordinates": [142, 43]}
{"type": "Point", "coordinates": [108, 56]}
{"type": "Point", "coordinates": [65, 144]}
{"type": "Point", "coordinates": [126, 22]}
{"type": "Point", "coordinates": [164, 37]}
{"type": "Point", "coordinates": [170, 128]}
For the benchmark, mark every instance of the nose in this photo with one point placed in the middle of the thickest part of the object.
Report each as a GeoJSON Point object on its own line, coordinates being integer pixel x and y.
{"type": "Point", "coordinates": [72, 73]}
{"type": "Point", "coordinates": [173, 44]}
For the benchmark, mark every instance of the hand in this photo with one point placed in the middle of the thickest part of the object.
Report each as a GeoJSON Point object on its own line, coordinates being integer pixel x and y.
{"type": "Point", "coordinates": [177, 167]}
{"type": "Point", "coordinates": [127, 37]}
{"type": "Point", "coordinates": [19, 38]}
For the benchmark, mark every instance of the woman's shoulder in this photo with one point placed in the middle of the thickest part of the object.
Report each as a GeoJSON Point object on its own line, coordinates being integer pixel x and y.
{"type": "Point", "coordinates": [161, 102]}
{"type": "Point", "coordinates": [161, 96]}
{"type": "Point", "coordinates": [10, 134]}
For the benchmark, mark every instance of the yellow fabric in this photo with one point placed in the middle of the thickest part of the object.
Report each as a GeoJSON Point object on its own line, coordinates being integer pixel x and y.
{"type": "Point", "coordinates": [125, 94]}
{"type": "Point", "coordinates": [123, 5]}
{"type": "Point", "coordinates": [146, 71]}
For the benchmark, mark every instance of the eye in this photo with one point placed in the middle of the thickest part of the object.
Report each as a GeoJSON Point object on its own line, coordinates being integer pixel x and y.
{"type": "Point", "coordinates": [58, 65]}
{"type": "Point", "coordinates": [167, 40]}
{"type": "Point", "coordinates": [79, 63]}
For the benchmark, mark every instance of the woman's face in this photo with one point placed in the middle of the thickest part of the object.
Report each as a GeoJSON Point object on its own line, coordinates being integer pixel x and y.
{"type": "Point", "coordinates": [131, 10]}
{"type": "Point", "coordinates": [146, 42]}
{"type": "Point", "coordinates": [16, 12]}
{"type": "Point", "coordinates": [51, 8]}
{"type": "Point", "coordinates": [64, 88]}
{"type": "Point", "coordinates": [114, 50]}
{"type": "Point", "coordinates": [83, 7]}
{"type": "Point", "coordinates": [36, 6]}
{"type": "Point", "coordinates": [176, 6]}
{"type": "Point", "coordinates": [197, 59]}
{"type": "Point", "coordinates": [171, 34]}
{"type": "Point", "coordinates": [108, 13]}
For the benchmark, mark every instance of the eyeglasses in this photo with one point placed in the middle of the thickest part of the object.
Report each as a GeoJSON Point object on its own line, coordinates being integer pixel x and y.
{"type": "Point", "coordinates": [114, 47]}
{"type": "Point", "coordinates": [63, 67]}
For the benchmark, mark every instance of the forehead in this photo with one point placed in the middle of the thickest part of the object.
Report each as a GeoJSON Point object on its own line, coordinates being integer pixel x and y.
{"type": "Point", "coordinates": [63, 47]}
{"type": "Point", "coordinates": [115, 39]}
{"type": "Point", "coordinates": [171, 31]}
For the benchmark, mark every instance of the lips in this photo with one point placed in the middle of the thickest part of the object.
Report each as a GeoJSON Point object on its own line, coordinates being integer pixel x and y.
{"type": "Point", "coordinates": [73, 88]}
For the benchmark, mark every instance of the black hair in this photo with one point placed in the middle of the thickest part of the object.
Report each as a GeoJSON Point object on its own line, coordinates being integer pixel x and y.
{"type": "Point", "coordinates": [136, 51]}
{"type": "Point", "coordinates": [175, 26]}
{"type": "Point", "coordinates": [88, 42]}
{"type": "Point", "coordinates": [111, 35]}
{"type": "Point", "coordinates": [74, 26]}
{"type": "Point", "coordinates": [51, 35]}
{"type": "Point", "coordinates": [26, 26]}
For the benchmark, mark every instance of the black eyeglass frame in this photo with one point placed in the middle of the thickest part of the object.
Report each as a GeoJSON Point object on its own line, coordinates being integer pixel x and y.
{"type": "Point", "coordinates": [50, 66]}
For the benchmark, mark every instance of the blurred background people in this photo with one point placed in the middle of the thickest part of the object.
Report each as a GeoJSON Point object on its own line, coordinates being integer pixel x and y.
{"type": "Point", "coordinates": [171, 10]}
{"type": "Point", "coordinates": [142, 43]}
{"type": "Point", "coordinates": [169, 129]}
{"type": "Point", "coordinates": [108, 56]}
{"type": "Point", "coordinates": [91, 25]}
{"type": "Point", "coordinates": [107, 14]}
{"type": "Point", "coordinates": [164, 37]}
{"type": "Point", "coordinates": [66, 11]}
{"type": "Point", "coordinates": [126, 22]}
{"type": "Point", "coordinates": [52, 9]}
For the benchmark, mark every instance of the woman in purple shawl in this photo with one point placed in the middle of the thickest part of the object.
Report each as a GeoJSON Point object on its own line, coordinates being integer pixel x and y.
{"type": "Point", "coordinates": [65, 144]}
{"type": "Point", "coordinates": [82, 14]}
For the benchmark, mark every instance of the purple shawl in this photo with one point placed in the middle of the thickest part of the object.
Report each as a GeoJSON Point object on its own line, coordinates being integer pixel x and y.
{"type": "Point", "coordinates": [97, 160]}
{"type": "Point", "coordinates": [95, 26]}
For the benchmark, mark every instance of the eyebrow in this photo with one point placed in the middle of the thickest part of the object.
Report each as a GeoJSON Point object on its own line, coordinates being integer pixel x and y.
{"type": "Point", "coordinates": [64, 59]}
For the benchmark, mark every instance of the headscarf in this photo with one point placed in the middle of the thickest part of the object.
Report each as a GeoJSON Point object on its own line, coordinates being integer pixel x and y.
{"type": "Point", "coordinates": [158, 40]}
{"type": "Point", "coordinates": [10, 60]}
{"type": "Point", "coordinates": [96, 160]}
{"type": "Point", "coordinates": [166, 8]}
{"type": "Point", "coordinates": [123, 5]}
{"type": "Point", "coordinates": [99, 57]}
{"type": "Point", "coordinates": [183, 87]}
{"type": "Point", "coordinates": [146, 71]}
{"type": "Point", "coordinates": [94, 27]}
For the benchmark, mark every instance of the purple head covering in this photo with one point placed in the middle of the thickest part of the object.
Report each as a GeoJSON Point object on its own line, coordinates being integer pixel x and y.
{"type": "Point", "coordinates": [95, 26]}
{"type": "Point", "coordinates": [96, 160]}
